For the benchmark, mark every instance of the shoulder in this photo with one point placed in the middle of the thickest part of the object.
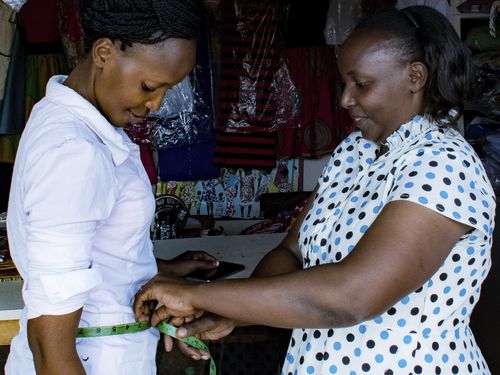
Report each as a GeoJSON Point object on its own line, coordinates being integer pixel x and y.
{"type": "Point", "coordinates": [53, 129]}
{"type": "Point", "coordinates": [445, 174]}
{"type": "Point", "coordinates": [444, 150]}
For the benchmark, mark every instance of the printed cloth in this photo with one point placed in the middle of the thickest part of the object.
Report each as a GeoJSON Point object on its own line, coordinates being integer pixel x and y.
{"type": "Point", "coordinates": [427, 331]}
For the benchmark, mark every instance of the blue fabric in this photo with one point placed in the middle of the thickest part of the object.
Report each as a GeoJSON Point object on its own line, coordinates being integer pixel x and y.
{"type": "Point", "coordinates": [189, 163]}
{"type": "Point", "coordinates": [195, 161]}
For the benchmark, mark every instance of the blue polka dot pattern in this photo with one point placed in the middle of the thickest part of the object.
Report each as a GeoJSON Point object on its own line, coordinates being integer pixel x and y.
{"type": "Point", "coordinates": [426, 332]}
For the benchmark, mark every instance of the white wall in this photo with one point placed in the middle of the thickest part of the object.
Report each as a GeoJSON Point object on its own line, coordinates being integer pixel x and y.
{"type": "Point", "coordinates": [312, 170]}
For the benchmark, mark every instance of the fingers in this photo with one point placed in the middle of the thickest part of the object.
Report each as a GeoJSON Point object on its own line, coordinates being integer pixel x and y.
{"type": "Point", "coordinates": [160, 314]}
{"type": "Point", "coordinates": [208, 327]}
{"type": "Point", "coordinates": [168, 342]}
{"type": "Point", "coordinates": [188, 266]}
{"type": "Point", "coordinates": [191, 352]}
{"type": "Point", "coordinates": [195, 255]}
{"type": "Point", "coordinates": [142, 305]}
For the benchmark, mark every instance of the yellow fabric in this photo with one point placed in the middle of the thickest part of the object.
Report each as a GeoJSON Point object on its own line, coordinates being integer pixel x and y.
{"type": "Point", "coordinates": [8, 147]}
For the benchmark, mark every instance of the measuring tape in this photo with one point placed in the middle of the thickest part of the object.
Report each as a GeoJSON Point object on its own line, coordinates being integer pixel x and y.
{"type": "Point", "coordinates": [134, 327]}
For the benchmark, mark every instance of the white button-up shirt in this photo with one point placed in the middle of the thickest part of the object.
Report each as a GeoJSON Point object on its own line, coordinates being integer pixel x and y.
{"type": "Point", "coordinates": [78, 225]}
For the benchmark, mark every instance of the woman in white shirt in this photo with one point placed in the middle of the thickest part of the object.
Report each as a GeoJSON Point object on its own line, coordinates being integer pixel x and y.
{"type": "Point", "coordinates": [81, 203]}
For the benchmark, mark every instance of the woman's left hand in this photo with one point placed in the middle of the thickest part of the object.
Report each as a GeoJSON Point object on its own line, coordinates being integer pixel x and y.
{"type": "Point", "coordinates": [172, 296]}
{"type": "Point", "coordinates": [186, 263]}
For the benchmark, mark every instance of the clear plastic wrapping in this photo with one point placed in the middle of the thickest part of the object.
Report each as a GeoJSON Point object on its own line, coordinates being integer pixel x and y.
{"type": "Point", "coordinates": [256, 94]}
{"type": "Point", "coordinates": [341, 19]}
{"type": "Point", "coordinates": [487, 88]}
{"type": "Point", "coordinates": [185, 116]}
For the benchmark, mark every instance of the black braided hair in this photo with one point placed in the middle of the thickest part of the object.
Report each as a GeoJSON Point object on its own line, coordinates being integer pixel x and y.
{"type": "Point", "coordinates": [422, 34]}
{"type": "Point", "coordinates": [139, 21]}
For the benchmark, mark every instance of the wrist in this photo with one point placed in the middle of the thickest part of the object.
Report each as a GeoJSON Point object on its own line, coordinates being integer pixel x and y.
{"type": "Point", "coordinates": [196, 293]}
{"type": "Point", "coordinates": [164, 267]}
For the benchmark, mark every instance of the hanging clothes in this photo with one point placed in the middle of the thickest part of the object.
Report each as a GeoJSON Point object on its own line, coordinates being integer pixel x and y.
{"type": "Point", "coordinates": [321, 122]}
{"type": "Point", "coordinates": [71, 30]}
{"type": "Point", "coordinates": [251, 46]}
{"type": "Point", "coordinates": [15, 4]}
{"type": "Point", "coordinates": [244, 150]}
{"type": "Point", "coordinates": [193, 157]}
{"type": "Point", "coordinates": [12, 106]}
{"type": "Point", "coordinates": [7, 32]}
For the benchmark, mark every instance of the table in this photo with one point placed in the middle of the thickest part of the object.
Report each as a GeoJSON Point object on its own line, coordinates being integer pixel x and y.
{"type": "Point", "coordinates": [247, 250]}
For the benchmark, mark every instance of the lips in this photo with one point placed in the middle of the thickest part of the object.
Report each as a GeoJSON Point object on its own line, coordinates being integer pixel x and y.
{"type": "Point", "coordinates": [135, 119]}
{"type": "Point", "coordinates": [358, 120]}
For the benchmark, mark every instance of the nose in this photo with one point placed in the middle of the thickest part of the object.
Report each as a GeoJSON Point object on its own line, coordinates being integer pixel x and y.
{"type": "Point", "coordinates": [154, 103]}
{"type": "Point", "coordinates": [347, 100]}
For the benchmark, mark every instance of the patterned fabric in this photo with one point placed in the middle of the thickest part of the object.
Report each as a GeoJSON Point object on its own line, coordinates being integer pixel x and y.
{"type": "Point", "coordinates": [427, 331]}
{"type": "Point", "coordinates": [320, 123]}
{"type": "Point", "coordinates": [251, 46]}
{"type": "Point", "coordinates": [242, 150]}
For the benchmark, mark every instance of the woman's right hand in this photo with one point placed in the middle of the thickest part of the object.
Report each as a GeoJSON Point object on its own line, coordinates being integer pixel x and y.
{"type": "Point", "coordinates": [207, 327]}
{"type": "Point", "coordinates": [186, 263]}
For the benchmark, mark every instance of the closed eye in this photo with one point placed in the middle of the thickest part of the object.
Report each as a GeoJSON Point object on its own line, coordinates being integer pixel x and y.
{"type": "Point", "coordinates": [147, 88]}
{"type": "Point", "coordinates": [362, 84]}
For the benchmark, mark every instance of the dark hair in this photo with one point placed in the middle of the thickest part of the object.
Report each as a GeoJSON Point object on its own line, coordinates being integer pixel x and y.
{"type": "Point", "coordinates": [422, 34]}
{"type": "Point", "coordinates": [139, 21]}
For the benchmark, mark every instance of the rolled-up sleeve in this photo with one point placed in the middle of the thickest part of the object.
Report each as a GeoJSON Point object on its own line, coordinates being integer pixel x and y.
{"type": "Point", "coordinates": [68, 192]}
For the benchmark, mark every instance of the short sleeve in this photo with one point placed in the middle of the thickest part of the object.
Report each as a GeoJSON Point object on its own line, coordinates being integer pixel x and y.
{"type": "Point", "coordinates": [448, 180]}
{"type": "Point", "coordinates": [68, 192]}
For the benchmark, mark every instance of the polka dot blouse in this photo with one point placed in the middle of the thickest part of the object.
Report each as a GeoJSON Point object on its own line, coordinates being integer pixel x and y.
{"type": "Point", "coordinates": [427, 331]}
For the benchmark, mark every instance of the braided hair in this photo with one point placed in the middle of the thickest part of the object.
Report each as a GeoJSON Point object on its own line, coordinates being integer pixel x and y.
{"type": "Point", "coordinates": [139, 21]}
{"type": "Point", "coordinates": [422, 34]}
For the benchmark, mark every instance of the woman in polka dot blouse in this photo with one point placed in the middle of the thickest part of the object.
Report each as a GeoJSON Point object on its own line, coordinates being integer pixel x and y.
{"type": "Point", "coordinates": [382, 269]}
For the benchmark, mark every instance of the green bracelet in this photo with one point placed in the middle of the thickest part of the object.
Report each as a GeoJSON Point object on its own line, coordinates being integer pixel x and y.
{"type": "Point", "coordinates": [121, 329]}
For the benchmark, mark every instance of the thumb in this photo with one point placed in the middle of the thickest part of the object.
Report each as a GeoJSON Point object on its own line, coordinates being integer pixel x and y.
{"type": "Point", "coordinates": [192, 265]}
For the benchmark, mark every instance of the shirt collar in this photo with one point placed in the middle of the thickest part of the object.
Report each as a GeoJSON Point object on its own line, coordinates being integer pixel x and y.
{"type": "Point", "coordinates": [409, 131]}
{"type": "Point", "coordinates": [85, 111]}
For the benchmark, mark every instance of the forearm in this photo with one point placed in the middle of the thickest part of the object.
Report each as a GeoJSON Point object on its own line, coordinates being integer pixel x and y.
{"type": "Point", "coordinates": [52, 340]}
{"type": "Point", "coordinates": [276, 262]}
{"type": "Point", "coordinates": [288, 301]}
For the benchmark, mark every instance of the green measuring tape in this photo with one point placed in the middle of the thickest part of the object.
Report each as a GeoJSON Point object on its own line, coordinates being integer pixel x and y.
{"type": "Point", "coordinates": [134, 327]}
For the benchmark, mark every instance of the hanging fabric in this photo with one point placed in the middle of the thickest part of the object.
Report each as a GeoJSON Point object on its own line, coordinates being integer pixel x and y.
{"type": "Point", "coordinates": [12, 106]}
{"type": "Point", "coordinates": [15, 4]}
{"type": "Point", "coordinates": [321, 122]}
{"type": "Point", "coordinates": [246, 150]}
{"type": "Point", "coordinates": [251, 46]}
{"type": "Point", "coordinates": [7, 32]}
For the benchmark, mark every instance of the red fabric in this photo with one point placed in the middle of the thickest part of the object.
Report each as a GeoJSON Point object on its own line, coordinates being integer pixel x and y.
{"type": "Point", "coordinates": [251, 46]}
{"type": "Point", "coordinates": [40, 21]}
{"type": "Point", "coordinates": [148, 162]}
{"type": "Point", "coordinates": [139, 134]}
{"type": "Point", "coordinates": [242, 150]}
{"type": "Point", "coordinates": [321, 123]}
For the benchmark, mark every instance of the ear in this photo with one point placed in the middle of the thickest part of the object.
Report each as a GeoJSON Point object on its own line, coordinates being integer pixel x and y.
{"type": "Point", "coordinates": [418, 76]}
{"type": "Point", "coordinates": [102, 51]}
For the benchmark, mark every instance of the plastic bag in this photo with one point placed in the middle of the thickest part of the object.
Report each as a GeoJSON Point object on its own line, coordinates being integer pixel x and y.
{"type": "Point", "coordinates": [487, 93]}
{"type": "Point", "coordinates": [491, 160]}
{"type": "Point", "coordinates": [185, 116]}
{"type": "Point", "coordinates": [341, 19]}
{"type": "Point", "coordinates": [256, 94]}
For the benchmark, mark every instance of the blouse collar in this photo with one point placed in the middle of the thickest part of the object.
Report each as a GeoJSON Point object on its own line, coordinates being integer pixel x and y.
{"type": "Point", "coordinates": [409, 131]}
{"type": "Point", "coordinates": [112, 137]}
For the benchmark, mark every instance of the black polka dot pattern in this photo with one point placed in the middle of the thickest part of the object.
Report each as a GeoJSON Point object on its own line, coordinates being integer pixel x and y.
{"type": "Point", "coordinates": [427, 331]}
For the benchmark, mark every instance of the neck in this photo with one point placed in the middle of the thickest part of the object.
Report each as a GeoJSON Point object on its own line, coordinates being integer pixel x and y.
{"type": "Point", "coordinates": [81, 80]}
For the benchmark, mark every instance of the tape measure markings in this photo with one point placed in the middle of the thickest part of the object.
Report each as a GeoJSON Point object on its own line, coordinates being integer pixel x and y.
{"type": "Point", "coordinates": [120, 329]}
